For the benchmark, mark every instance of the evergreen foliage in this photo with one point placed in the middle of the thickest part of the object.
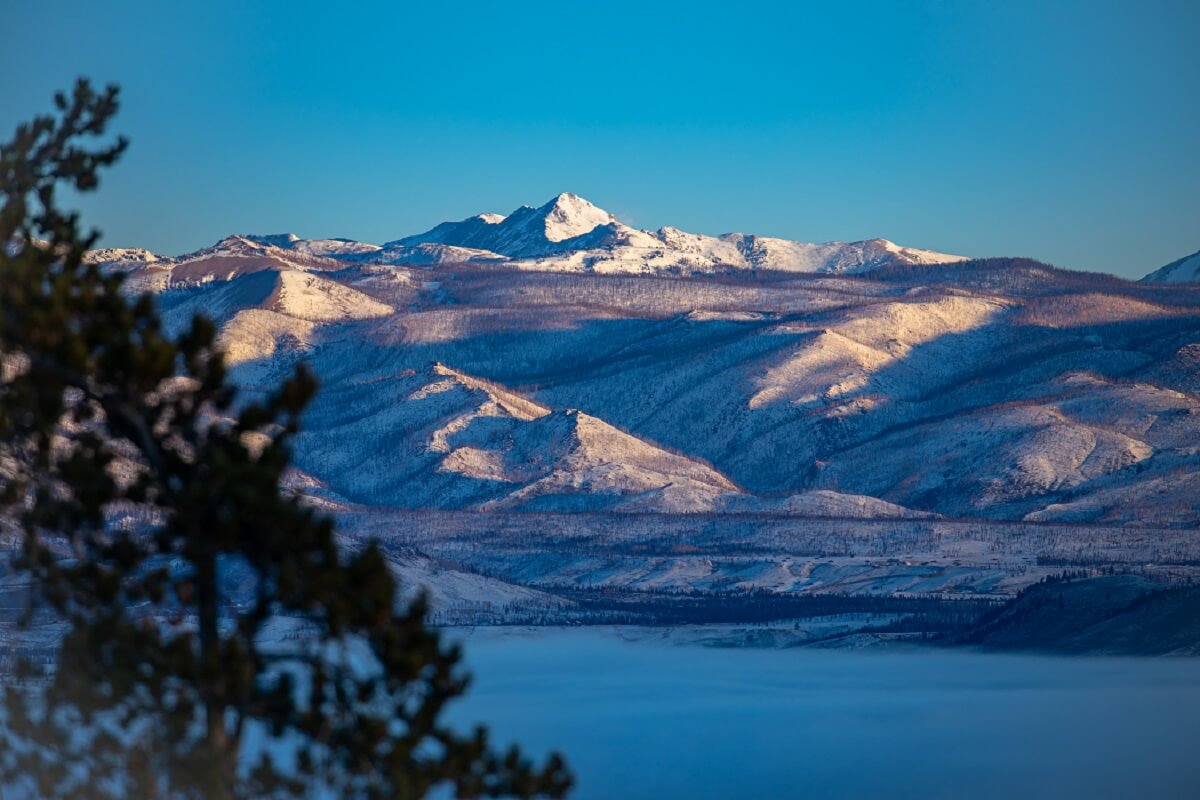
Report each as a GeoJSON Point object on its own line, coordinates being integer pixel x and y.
{"type": "Point", "coordinates": [164, 686]}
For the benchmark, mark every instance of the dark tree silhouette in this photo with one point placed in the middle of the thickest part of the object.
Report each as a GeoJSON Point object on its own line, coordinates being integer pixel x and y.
{"type": "Point", "coordinates": [164, 686]}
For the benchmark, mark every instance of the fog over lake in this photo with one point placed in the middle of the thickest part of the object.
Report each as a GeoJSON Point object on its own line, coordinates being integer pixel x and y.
{"type": "Point", "coordinates": [646, 718]}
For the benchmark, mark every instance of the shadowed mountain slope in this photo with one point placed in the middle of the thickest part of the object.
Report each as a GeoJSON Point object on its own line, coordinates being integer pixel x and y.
{"type": "Point", "coordinates": [501, 371]}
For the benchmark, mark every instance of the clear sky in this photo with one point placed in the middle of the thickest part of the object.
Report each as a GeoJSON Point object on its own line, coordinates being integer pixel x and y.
{"type": "Point", "coordinates": [1066, 131]}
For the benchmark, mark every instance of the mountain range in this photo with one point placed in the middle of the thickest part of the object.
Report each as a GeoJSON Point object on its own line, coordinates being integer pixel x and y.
{"type": "Point", "coordinates": [570, 234]}
{"type": "Point", "coordinates": [557, 360]}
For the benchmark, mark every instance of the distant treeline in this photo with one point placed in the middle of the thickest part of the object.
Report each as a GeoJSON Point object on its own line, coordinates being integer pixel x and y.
{"type": "Point", "coordinates": [671, 608]}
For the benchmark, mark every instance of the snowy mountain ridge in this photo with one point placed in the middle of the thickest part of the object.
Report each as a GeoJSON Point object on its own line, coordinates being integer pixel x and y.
{"type": "Point", "coordinates": [491, 365]}
{"type": "Point", "coordinates": [569, 234]}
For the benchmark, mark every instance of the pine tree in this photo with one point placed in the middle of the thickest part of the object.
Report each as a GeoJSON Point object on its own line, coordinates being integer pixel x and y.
{"type": "Point", "coordinates": [164, 686]}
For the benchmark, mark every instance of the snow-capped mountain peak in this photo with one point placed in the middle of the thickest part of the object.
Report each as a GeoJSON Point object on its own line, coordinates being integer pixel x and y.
{"type": "Point", "coordinates": [566, 234]}
{"type": "Point", "coordinates": [527, 232]}
{"type": "Point", "coordinates": [569, 215]}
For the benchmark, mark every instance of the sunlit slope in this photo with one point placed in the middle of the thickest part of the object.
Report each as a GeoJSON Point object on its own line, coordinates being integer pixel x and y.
{"type": "Point", "coordinates": [996, 389]}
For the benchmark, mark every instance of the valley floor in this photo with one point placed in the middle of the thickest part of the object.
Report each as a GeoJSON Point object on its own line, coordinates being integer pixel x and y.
{"type": "Point", "coordinates": [773, 580]}
{"type": "Point", "coordinates": [898, 577]}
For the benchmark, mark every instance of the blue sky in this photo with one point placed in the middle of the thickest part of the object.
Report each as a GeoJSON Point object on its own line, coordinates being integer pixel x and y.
{"type": "Point", "coordinates": [1066, 131]}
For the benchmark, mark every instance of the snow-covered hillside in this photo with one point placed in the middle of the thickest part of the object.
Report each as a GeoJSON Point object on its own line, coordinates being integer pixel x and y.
{"type": "Point", "coordinates": [529, 407]}
{"type": "Point", "coordinates": [1184, 270]}
{"type": "Point", "coordinates": [998, 389]}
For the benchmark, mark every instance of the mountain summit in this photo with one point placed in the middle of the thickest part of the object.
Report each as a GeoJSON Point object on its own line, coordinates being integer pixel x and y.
{"type": "Point", "coordinates": [569, 215]}
{"type": "Point", "coordinates": [525, 233]}
{"type": "Point", "coordinates": [569, 234]}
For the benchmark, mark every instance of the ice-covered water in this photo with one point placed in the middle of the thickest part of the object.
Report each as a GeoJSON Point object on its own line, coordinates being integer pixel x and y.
{"type": "Point", "coordinates": [650, 719]}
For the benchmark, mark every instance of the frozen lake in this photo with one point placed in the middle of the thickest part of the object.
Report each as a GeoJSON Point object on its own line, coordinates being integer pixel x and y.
{"type": "Point", "coordinates": [650, 719]}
